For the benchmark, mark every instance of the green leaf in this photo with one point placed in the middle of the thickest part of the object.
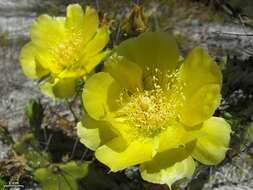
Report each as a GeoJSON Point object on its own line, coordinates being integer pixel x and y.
{"type": "Point", "coordinates": [249, 133]}
{"type": "Point", "coordinates": [34, 112]}
{"type": "Point", "coordinates": [2, 183]}
{"type": "Point", "coordinates": [61, 176]}
{"type": "Point", "coordinates": [29, 147]}
{"type": "Point", "coordinates": [99, 179]}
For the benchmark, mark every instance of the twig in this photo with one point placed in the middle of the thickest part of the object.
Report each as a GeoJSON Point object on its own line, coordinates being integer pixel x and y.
{"type": "Point", "coordinates": [246, 148]}
{"type": "Point", "coordinates": [71, 110]}
{"type": "Point", "coordinates": [247, 52]}
{"type": "Point", "coordinates": [97, 5]}
{"type": "Point", "coordinates": [117, 34]}
{"type": "Point", "coordinates": [48, 141]}
{"type": "Point", "coordinates": [243, 27]}
{"type": "Point", "coordinates": [83, 155]}
{"type": "Point", "coordinates": [74, 148]}
{"type": "Point", "coordinates": [231, 33]}
{"type": "Point", "coordinates": [45, 134]}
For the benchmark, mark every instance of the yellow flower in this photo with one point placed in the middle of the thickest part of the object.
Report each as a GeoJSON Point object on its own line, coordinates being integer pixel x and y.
{"type": "Point", "coordinates": [64, 49]}
{"type": "Point", "coordinates": [151, 109]}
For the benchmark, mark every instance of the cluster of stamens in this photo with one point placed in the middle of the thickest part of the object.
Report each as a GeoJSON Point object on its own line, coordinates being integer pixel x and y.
{"type": "Point", "coordinates": [66, 54]}
{"type": "Point", "coordinates": [150, 111]}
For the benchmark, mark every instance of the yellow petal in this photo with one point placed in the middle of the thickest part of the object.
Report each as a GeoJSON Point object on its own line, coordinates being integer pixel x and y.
{"type": "Point", "coordinates": [91, 22]}
{"type": "Point", "coordinates": [177, 135]}
{"type": "Point", "coordinates": [46, 34]}
{"type": "Point", "coordinates": [151, 50]}
{"type": "Point", "coordinates": [84, 24]}
{"type": "Point", "coordinates": [202, 77]}
{"type": "Point", "coordinates": [87, 64]}
{"type": "Point", "coordinates": [200, 105]}
{"type": "Point", "coordinates": [168, 167]}
{"type": "Point", "coordinates": [30, 66]}
{"type": "Point", "coordinates": [211, 149]}
{"type": "Point", "coordinates": [98, 42]}
{"type": "Point", "coordinates": [75, 18]}
{"type": "Point", "coordinates": [47, 31]}
{"type": "Point", "coordinates": [123, 128]}
{"type": "Point", "coordinates": [100, 95]}
{"type": "Point", "coordinates": [127, 73]}
{"type": "Point", "coordinates": [92, 62]}
{"type": "Point", "coordinates": [93, 133]}
{"type": "Point", "coordinates": [117, 155]}
{"type": "Point", "coordinates": [59, 88]}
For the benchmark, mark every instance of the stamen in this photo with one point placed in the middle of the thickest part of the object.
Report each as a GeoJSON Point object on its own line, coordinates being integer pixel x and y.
{"type": "Point", "coordinates": [67, 53]}
{"type": "Point", "coordinates": [150, 111]}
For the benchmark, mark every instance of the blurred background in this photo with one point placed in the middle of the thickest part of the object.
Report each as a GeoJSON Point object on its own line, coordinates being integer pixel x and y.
{"type": "Point", "coordinates": [32, 125]}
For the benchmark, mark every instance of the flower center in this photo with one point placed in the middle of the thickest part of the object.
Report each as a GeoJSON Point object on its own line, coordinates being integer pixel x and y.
{"type": "Point", "coordinates": [149, 112]}
{"type": "Point", "coordinates": [67, 52]}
